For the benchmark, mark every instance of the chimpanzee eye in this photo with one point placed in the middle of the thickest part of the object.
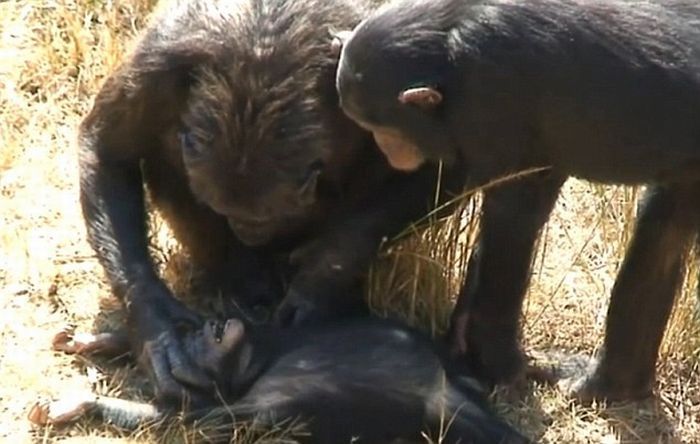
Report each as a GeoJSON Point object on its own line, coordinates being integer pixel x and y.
{"type": "Point", "coordinates": [189, 145]}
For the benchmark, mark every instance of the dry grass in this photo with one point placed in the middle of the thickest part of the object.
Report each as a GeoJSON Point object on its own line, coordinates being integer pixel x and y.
{"type": "Point", "coordinates": [53, 56]}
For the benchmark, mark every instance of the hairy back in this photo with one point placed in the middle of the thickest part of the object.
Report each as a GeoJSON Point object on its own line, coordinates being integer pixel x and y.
{"type": "Point", "coordinates": [641, 33]}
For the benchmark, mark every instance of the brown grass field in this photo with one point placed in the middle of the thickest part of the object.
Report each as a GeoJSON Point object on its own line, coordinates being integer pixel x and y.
{"type": "Point", "coordinates": [54, 54]}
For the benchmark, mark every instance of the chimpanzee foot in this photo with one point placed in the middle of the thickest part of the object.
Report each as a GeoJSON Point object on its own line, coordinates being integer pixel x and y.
{"type": "Point", "coordinates": [590, 387]}
{"type": "Point", "coordinates": [504, 365]}
{"type": "Point", "coordinates": [580, 377]}
{"type": "Point", "coordinates": [63, 411]}
{"type": "Point", "coordinates": [68, 409]}
{"type": "Point", "coordinates": [86, 344]}
{"type": "Point", "coordinates": [492, 351]}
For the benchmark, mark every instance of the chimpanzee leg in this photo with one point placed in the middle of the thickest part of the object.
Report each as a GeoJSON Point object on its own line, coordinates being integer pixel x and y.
{"type": "Point", "coordinates": [486, 319]}
{"type": "Point", "coordinates": [457, 416]}
{"type": "Point", "coordinates": [643, 297]}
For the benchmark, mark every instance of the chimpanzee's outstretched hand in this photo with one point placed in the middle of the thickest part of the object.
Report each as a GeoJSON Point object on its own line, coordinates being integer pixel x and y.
{"type": "Point", "coordinates": [156, 321]}
{"type": "Point", "coordinates": [327, 283]}
{"type": "Point", "coordinates": [300, 308]}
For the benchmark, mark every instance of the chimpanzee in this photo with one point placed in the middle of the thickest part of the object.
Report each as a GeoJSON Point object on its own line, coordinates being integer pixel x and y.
{"type": "Point", "coordinates": [228, 113]}
{"type": "Point", "coordinates": [364, 380]}
{"type": "Point", "coordinates": [605, 90]}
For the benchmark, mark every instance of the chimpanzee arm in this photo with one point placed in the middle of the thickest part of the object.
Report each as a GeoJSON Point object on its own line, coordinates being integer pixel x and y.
{"type": "Point", "coordinates": [331, 266]}
{"type": "Point", "coordinates": [135, 105]}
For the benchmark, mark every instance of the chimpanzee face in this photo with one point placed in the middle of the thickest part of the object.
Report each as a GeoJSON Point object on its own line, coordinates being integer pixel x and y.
{"type": "Point", "coordinates": [262, 196]}
{"type": "Point", "coordinates": [393, 95]}
{"type": "Point", "coordinates": [255, 160]}
{"type": "Point", "coordinates": [219, 349]}
{"type": "Point", "coordinates": [214, 341]}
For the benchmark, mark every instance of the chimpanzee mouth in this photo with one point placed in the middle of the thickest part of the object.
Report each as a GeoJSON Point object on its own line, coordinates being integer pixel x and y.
{"type": "Point", "coordinates": [250, 234]}
{"type": "Point", "coordinates": [226, 333]}
{"type": "Point", "coordinates": [219, 328]}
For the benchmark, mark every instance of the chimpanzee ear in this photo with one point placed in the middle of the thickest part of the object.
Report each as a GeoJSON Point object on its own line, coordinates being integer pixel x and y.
{"type": "Point", "coordinates": [424, 97]}
{"type": "Point", "coordinates": [339, 39]}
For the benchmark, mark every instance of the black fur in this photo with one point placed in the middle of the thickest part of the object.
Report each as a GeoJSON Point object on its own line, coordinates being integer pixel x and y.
{"type": "Point", "coordinates": [604, 90]}
{"type": "Point", "coordinates": [365, 381]}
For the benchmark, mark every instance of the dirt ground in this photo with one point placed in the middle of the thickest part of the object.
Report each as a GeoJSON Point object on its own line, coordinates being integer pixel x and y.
{"type": "Point", "coordinates": [53, 57]}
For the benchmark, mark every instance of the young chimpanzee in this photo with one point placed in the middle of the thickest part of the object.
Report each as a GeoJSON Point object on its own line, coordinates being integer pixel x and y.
{"type": "Point", "coordinates": [364, 381]}
{"type": "Point", "coordinates": [227, 112]}
{"type": "Point", "coordinates": [606, 90]}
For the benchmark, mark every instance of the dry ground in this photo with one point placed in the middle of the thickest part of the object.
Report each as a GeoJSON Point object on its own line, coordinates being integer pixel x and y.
{"type": "Point", "coordinates": [53, 56]}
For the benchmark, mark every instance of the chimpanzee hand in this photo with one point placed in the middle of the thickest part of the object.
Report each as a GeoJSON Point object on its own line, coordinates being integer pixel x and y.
{"type": "Point", "coordinates": [302, 308]}
{"type": "Point", "coordinates": [154, 317]}
{"type": "Point", "coordinates": [325, 286]}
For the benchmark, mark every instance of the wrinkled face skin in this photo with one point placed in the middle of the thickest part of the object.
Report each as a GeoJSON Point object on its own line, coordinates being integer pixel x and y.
{"type": "Point", "coordinates": [213, 342]}
{"type": "Point", "coordinates": [220, 349]}
{"type": "Point", "coordinates": [269, 194]}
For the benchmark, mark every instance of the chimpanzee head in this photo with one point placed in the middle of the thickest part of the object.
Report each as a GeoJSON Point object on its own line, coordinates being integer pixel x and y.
{"type": "Point", "coordinates": [393, 71]}
{"type": "Point", "coordinates": [262, 134]}
{"type": "Point", "coordinates": [216, 346]}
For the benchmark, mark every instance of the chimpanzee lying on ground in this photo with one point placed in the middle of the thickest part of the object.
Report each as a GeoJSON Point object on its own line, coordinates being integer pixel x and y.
{"type": "Point", "coordinates": [227, 112]}
{"type": "Point", "coordinates": [365, 381]}
{"type": "Point", "coordinates": [607, 90]}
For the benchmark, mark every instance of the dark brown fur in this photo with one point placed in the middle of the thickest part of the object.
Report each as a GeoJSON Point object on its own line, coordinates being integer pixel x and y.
{"type": "Point", "coordinates": [228, 114]}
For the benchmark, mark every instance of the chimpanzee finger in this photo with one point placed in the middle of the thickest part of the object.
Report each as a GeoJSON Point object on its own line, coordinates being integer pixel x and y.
{"type": "Point", "coordinates": [168, 390]}
{"type": "Point", "coordinates": [306, 314]}
{"type": "Point", "coordinates": [293, 311]}
{"type": "Point", "coordinates": [184, 370]}
{"type": "Point", "coordinates": [296, 311]}
{"type": "Point", "coordinates": [284, 314]}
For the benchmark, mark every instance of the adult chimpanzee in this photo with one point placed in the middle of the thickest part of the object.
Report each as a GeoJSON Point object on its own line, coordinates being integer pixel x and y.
{"type": "Point", "coordinates": [340, 379]}
{"type": "Point", "coordinates": [604, 90]}
{"type": "Point", "coordinates": [227, 111]}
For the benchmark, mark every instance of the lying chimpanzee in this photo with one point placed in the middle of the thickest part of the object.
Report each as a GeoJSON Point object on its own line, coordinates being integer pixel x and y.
{"type": "Point", "coordinates": [366, 381]}
{"type": "Point", "coordinates": [607, 90]}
